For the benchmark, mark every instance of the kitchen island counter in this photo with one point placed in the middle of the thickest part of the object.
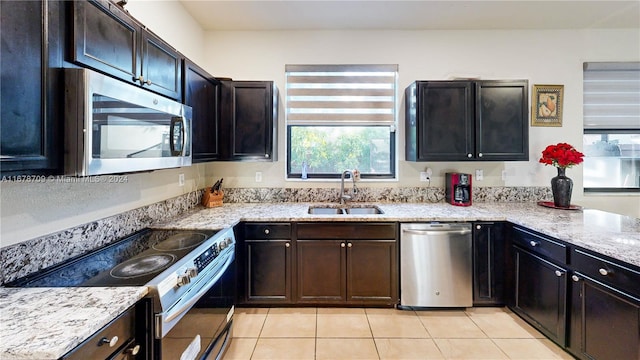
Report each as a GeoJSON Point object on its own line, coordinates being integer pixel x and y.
{"type": "Point", "coordinates": [616, 236]}
{"type": "Point", "coordinates": [46, 323]}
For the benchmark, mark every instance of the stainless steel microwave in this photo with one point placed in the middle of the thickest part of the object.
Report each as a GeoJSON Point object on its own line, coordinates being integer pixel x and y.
{"type": "Point", "coordinates": [112, 127]}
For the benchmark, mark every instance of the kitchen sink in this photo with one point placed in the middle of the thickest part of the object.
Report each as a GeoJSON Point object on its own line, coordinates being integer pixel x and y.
{"type": "Point", "coordinates": [372, 210]}
{"type": "Point", "coordinates": [325, 210]}
{"type": "Point", "coordinates": [359, 210]}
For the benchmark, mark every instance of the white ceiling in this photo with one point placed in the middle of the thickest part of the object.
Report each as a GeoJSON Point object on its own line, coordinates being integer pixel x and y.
{"type": "Point", "coordinates": [412, 15]}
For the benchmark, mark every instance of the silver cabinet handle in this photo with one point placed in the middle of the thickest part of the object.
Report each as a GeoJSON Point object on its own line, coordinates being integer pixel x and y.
{"type": "Point", "coordinates": [575, 278]}
{"type": "Point", "coordinates": [266, 155]}
{"type": "Point", "coordinates": [148, 82]}
{"type": "Point", "coordinates": [287, 245]}
{"type": "Point", "coordinates": [436, 232]}
{"type": "Point", "coordinates": [558, 273]}
{"type": "Point", "coordinates": [134, 350]}
{"type": "Point", "coordinates": [603, 272]}
{"type": "Point", "coordinates": [469, 155]}
{"type": "Point", "coordinates": [112, 342]}
{"type": "Point", "coordinates": [342, 244]}
{"type": "Point", "coordinates": [267, 231]}
{"type": "Point", "coordinates": [478, 227]}
{"type": "Point", "coordinates": [480, 155]}
{"type": "Point", "coordinates": [534, 243]}
{"type": "Point", "coordinates": [349, 244]}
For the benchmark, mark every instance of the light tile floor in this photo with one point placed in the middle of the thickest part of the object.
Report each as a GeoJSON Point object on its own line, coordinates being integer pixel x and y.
{"type": "Point", "coordinates": [367, 333]}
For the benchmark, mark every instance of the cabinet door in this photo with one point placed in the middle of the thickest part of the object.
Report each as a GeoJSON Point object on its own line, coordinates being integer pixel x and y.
{"type": "Point", "coordinates": [540, 294]}
{"type": "Point", "coordinates": [201, 92]}
{"type": "Point", "coordinates": [30, 95]}
{"type": "Point", "coordinates": [106, 38]}
{"type": "Point", "coordinates": [268, 272]}
{"type": "Point", "coordinates": [248, 117]}
{"type": "Point", "coordinates": [372, 272]}
{"type": "Point", "coordinates": [161, 67]}
{"type": "Point", "coordinates": [605, 323]}
{"type": "Point", "coordinates": [321, 271]}
{"type": "Point", "coordinates": [444, 120]}
{"type": "Point", "coordinates": [502, 123]}
{"type": "Point", "coordinates": [488, 264]}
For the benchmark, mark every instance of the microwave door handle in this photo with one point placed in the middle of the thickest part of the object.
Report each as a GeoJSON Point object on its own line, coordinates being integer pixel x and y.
{"type": "Point", "coordinates": [172, 145]}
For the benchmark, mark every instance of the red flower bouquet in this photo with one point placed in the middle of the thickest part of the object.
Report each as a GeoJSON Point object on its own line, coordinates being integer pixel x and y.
{"type": "Point", "coordinates": [561, 155]}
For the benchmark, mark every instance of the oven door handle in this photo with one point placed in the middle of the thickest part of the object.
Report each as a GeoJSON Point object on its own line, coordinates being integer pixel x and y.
{"type": "Point", "coordinates": [193, 299]}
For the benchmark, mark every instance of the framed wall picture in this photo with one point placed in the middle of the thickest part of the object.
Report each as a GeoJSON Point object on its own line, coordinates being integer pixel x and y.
{"type": "Point", "coordinates": [546, 105]}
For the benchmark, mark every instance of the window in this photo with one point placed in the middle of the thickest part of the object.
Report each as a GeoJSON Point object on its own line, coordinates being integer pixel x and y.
{"type": "Point", "coordinates": [341, 117]}
{"type": "Point", "coordinates": [611, 138]}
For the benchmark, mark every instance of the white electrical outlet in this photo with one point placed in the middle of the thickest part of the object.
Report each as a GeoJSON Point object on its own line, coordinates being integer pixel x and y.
{"type": "Point", "coordinates": [258, 176]}
{"type": "Point", "coordinates": [479, 175]}
{"type": "Point", "coordinates": [504, 175]}
{"type": "Point", "coordinates": [426, 174]}
{"type": "Point", "coordinates": [180, 179]}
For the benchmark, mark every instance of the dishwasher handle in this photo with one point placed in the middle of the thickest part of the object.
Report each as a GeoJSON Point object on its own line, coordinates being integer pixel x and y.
{"type": "Point", "coordinates": [437, 232]}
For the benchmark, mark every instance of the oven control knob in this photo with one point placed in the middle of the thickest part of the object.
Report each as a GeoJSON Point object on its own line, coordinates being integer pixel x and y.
{"type": "Point", "coordinates": [192, 272]}
{"type": "Point", "coordinates": [222, 245]}
{"type": "Point", "coordinates": [183, 280]}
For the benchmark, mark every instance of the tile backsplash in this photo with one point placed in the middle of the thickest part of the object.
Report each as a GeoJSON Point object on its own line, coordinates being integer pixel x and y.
{"type": "Point", "coordinates": [33, 255]}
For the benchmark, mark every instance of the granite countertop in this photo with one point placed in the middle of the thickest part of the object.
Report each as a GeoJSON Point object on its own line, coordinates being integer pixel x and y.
{"type": "Point", "coordinates": [46, 323]}
{"type": "Point", "coordinates": [606, 233]}
{"type": "Point", "coordinates": [74, 314]}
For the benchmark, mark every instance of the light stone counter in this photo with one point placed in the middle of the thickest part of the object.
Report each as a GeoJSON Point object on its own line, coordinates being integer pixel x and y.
{"type": "Point", "coordinates": [610, 234]}
{"type": "Point", "coordinates": [46, 323]}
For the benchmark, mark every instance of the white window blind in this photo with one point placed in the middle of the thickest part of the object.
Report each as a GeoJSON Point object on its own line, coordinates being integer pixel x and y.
{"type": "Point", "coordinates": [341, 95]}
{"type": "Point", "coordinates": [611, 95]}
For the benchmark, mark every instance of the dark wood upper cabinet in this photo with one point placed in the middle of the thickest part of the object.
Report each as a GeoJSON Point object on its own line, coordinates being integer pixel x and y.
{"type": "Point", "coordinates": [248, 118]}
{"type": "Point", "coordinates": [467, 120]}
{"type": "Point", "coordinates": [161, 66]}
{"type": "Point", "coordinates": [30, 89]}
{"type": "Point", "coordinates": [202, 92]}
{"type": "Point", "coordinates": [108, 39]}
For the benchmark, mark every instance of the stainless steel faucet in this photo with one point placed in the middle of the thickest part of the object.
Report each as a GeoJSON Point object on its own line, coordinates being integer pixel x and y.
{"type": "Point", "coordinates": [344, 197]}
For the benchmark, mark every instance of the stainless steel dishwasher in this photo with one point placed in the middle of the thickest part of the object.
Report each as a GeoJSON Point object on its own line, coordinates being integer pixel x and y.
{"type": "Point", "coordinates": [435, 265]}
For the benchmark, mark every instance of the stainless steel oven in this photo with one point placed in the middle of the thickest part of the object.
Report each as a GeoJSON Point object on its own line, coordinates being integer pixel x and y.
{"type": "Point", "coordinates": [205, 330]}
{"type": "Point", "coordinates": [191, 277]}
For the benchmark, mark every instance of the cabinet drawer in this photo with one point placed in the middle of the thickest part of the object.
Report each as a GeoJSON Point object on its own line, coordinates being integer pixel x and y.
{"type": "Point", "coordinates": [267, 231]}
{"type": "Point", "coordinates": [120, 332]}
{"type": "Point", "coordinates": [540, 245]}
{"type": "Point", "coordinates": [347, 231]}
{"type": "Point", "coordinates": [607, 272]}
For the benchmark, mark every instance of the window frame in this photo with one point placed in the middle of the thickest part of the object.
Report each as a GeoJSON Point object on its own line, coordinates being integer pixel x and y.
{"type": "Point", "coordinates": [329, 176]}
{"type": "Point", "coordinates": [618, 120]}
{"type": "Point", "coordinates": [393, 134]}
{"type": "Point", "coordinates": [610, 189]}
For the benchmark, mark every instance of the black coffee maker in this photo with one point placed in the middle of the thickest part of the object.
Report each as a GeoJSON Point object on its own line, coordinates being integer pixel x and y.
{"type": "Point", "coordinates": [458, 189]}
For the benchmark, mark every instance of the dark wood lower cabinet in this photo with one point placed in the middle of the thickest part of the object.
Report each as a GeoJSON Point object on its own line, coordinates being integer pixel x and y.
{"type": "Point", "coordinates": [541, 294]}
{"type": "Point", "coordinates": [268, 271]}
{"type": "Point", "coordinates": [266, 255]}
{"type": "Point", "coordinates": [488, 264]}
{"type": "Point", "coordinates": [372, 272]}
{"type": "Point", "coordinates": [605, 323]}
{"type": "Point", "coordinates": [321, 271]}
{"type": "Point", "coordinates": [354, 272]}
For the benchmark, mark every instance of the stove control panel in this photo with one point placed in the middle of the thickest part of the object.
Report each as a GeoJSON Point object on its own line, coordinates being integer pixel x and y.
{"type": "Point", "coordinates": [206, 257]}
